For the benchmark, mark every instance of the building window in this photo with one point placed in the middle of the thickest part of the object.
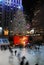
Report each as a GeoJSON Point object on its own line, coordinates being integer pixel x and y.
{"type": "Point", "coordinates": [19, 1]}
{"type": "Point", "coordinates": [11, 0]}
{"type": "Point", "coordinates": [8, 0]}
{"type": "Point", "coordinates": [14, 0]}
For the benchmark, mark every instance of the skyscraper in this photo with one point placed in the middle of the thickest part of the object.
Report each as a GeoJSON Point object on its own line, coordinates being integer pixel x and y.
{"type": "Point", "coordinates": [1, 12]}
{"type": "Point", "coordinates": [7, 11]}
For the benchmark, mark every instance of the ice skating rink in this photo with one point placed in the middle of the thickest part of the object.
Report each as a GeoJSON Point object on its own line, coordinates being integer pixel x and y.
{"type": "Point", "coordinates": [32, 56]}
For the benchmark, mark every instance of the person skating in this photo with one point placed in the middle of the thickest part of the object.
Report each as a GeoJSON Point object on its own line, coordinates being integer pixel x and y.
{"type": "Point", "coordinates": [15, 52]}
{"type": "Point", "coordinates": [22, 62]}
{"type": "Point", "coordinates": [10, 49]}
{"type": "Point", "coordinates": [27, 63]}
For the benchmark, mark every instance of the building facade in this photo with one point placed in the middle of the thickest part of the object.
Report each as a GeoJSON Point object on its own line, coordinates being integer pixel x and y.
{"type": "Point", "coordinates": [7, 11]}
{"type": "Point", "coordinates": [1, 12]}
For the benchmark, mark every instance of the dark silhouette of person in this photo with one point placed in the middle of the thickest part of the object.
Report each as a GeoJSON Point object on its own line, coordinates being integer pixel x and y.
{"type": "Point", "coordinates": [10, 49]}
{"type": "Point", "coordinates": [27, 63]}
{"type": "Point", "coordinates": [36, 64]}
{"type": "Point", "coordinates": [15, 52]}
{"type": "Point", "coordinates": [22, 62]}
{"type": "Point", "coordinates": [23, 57]}
{"type": "Point", "coordinates": [1, 47]}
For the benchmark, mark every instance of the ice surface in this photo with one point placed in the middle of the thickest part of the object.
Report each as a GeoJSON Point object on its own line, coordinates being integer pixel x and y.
{"type": "Point", "coordinates": [6, 58]}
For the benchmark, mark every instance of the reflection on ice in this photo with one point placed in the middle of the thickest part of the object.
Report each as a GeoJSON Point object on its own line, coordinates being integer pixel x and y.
{"type": "Point", "coordinates": [41, 60]}
{"type": "Point", "coordinates": [30, 57]}
{"type": "Point", "coordinates": [13, 61]}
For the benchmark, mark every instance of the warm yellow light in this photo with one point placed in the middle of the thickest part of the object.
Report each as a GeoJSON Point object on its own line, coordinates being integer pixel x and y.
{"type": "Point", "coordinates": [23, 40]}
{"type": "Point", "coordinates": [6, 32]}
{"type": "Point", "coordinates": [28, 32]}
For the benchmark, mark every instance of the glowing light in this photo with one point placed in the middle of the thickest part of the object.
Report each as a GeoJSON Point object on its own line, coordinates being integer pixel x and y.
{"type": "Point", "coordinates": [1, 30]}
{"type": "Point", "coordinates": [14, 3]}
{"type": "Point", "coordinates": [24, 40]}
{"type": "Point", "coordinates": [19, 7]}
{"type": "Point", "coordinates": [20, 40]}
{"type": "Point", "coordinates": [32, 31]}
{"type": "Point", "coordinates": [0, 0]}
{"type": "Point", "coordinates": [6, 32]}
{"type": "Point", "coordinates": [28, 32]}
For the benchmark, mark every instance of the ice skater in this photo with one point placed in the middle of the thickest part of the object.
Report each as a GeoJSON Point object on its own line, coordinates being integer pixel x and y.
{"type": "Point", "coordinates": [22, 61]}
{"type": "Point", "coordinates": [10, 49]}
{"type": "Point", "coordinates": [15, 52]}
{"type": "Point", "coordinates": [11, 54]}
{"type": "Point", "coordinates": [27, 63]}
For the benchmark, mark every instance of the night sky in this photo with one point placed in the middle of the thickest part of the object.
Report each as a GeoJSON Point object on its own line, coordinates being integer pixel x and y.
{"type": "Point", "coordinates": [29, 7]}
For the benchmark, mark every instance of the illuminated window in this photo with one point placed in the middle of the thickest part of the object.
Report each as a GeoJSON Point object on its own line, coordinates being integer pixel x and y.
{"type": "Point", "coordinates": [19, 1]}
{"type": "Point", "coordinates": [14, 0]}
{"type": "Point", "coordinates": [14, 3]}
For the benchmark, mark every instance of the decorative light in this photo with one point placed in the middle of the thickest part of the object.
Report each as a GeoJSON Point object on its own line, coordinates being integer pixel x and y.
{"type": "Point", "coordinates": [24, 40]}
{"type": "Point", "coordinates": [20, 40]}
{"type": "Point", "coordinates": [6, 32]}
{"type": "Point", "coordinates": [14, 3]}
{"type": "Point", "coordinates": [28, 32]}
{"type": "Point", "coordinates": [1, 30]}
{"type": "Point", "coordinates": [11, 21]}
{"type": "Point", "coordinates": [19, 7]}
{"type": "Point", "coordinates": [32, 31]}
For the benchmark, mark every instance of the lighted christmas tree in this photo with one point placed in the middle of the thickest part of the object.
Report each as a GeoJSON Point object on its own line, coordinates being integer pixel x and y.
{"type": "Point", "coordinates": [19, 22]}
